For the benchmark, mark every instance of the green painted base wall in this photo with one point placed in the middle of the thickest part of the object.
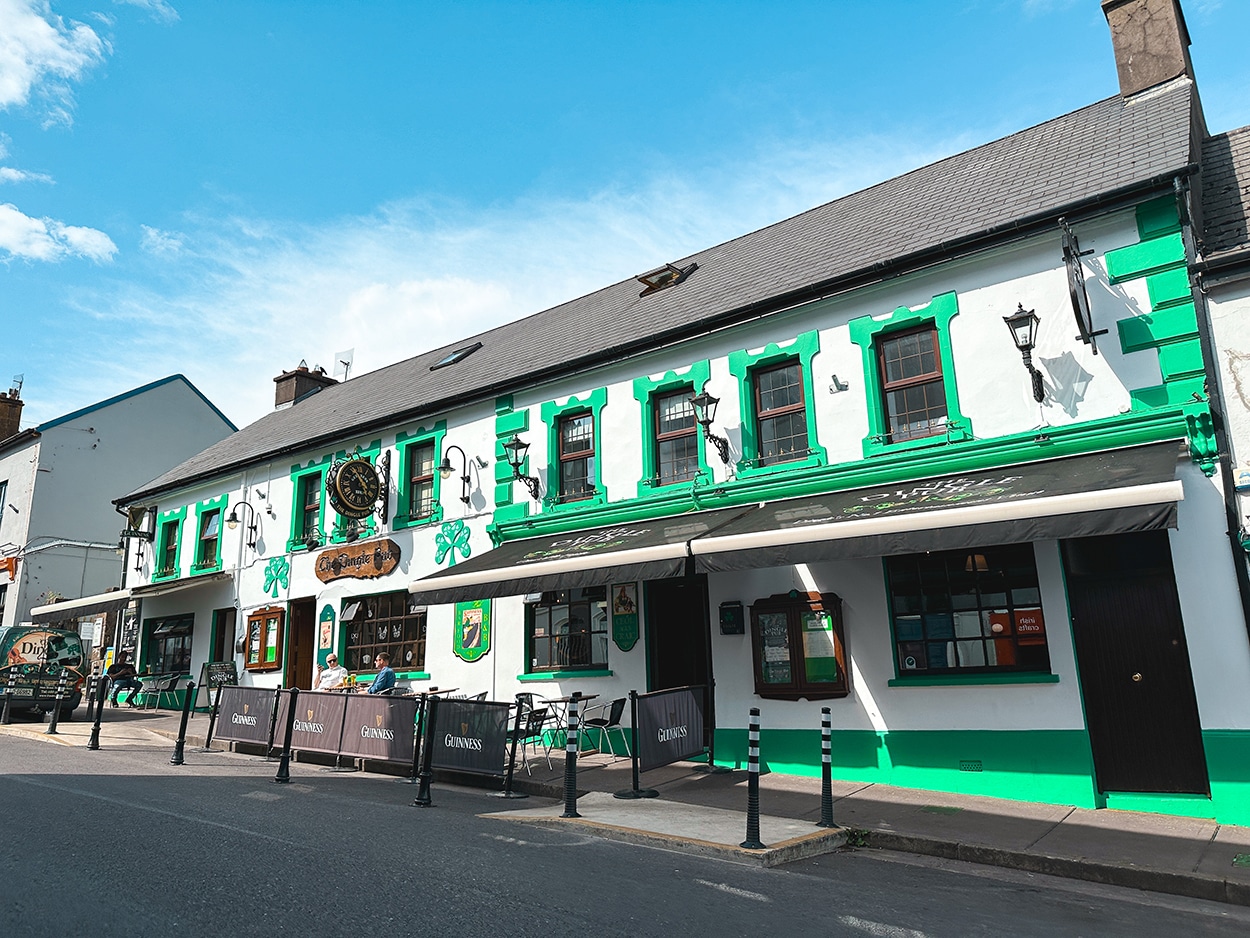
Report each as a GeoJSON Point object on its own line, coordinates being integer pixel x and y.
{"type": "Point", "coordinates": [1046, 766]}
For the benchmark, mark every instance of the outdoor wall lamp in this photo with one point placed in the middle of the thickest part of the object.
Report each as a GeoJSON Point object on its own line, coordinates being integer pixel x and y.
{"type": "Point", "coordinates": [704, 413]}
{"type": "Point", "coordinates": [516, 448]}
{"type": "Point", "coordinates": [232, 522]}
{"type": "Point", "coordinates": [445, 470]}
{"type": "Point", "coordinates": [1023, 325]}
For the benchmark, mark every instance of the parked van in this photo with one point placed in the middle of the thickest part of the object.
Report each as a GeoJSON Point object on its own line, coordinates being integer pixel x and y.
{"type": "Point", "coordinates": [33, 658]}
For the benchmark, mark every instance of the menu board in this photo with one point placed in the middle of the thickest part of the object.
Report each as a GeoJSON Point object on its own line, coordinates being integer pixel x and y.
{"type": "Point", "coordinates": [775, 648]}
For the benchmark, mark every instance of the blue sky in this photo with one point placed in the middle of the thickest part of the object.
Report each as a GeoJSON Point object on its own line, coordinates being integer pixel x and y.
{"type": "Point", "coordinates": [224, 188]}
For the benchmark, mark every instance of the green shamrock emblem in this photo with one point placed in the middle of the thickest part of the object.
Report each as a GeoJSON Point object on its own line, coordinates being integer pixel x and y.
{"type": "Point", "coordinates": [278, 572]}
{"type": "Point", "coordinates": [452, 538]}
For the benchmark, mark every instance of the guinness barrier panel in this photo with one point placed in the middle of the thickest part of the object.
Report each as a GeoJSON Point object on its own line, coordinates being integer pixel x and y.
{"type": "Point", "coordinates": [670, 726]}
{"type": "Point", "coordinates": [471, 736]}
{"type": "Point", "coordinates": [379, 727]}
{"type": "Point", "coordinates": [243, 713]}
{"type": "Point", "coordinates": [318, 725]}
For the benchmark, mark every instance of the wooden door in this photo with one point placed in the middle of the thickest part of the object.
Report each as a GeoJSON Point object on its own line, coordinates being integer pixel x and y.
{"type": "Point", "coordinates": [301, 648]}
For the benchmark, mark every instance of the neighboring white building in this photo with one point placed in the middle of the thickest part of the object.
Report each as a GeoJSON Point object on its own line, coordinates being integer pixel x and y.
{"type": "Point", "coordinates": [59, 531]}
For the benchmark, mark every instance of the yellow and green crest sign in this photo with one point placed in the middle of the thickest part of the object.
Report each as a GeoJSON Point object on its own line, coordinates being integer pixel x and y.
{"type": "Point", "coordinates": [471, 630]}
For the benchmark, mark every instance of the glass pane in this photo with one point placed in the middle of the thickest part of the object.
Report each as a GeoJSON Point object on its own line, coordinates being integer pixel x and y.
{"type": "Point", "coordinates": [819, 650]}
{"type": "Point", "coordinates": [678, 459]}
{"type": "Point", "coordinates": [779, 388]}
{"type": "Point", "coordinates": [211, 523]}
{"type": "Point", "coordinates": [909, 356]}
{"type": "Point", "coordinates": [422, 459]}
{"type": "Point", "coordinates": [577, 434]}
{"type": "Point", "coordinates": [674, 413]}
{"type": "Point", "coordinates": [783, 438]}
{"type": "Point", "coordinates": [775, 666]}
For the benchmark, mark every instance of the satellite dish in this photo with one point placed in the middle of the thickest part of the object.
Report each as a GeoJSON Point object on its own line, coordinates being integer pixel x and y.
{"type": "Point", "coordinates": [343, 363]}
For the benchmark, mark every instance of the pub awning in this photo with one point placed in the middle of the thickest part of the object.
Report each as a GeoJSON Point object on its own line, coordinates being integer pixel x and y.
{"type": "Point", "coordinates": [113, 601]}
{"type": "Point", "coordinates": [177, 586]}
{"type": "Point", "coordinates": [1113, 492]}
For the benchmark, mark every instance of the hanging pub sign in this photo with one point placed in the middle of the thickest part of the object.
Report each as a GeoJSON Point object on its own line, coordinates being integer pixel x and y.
{"type": "Point", "coordinates": [471, 634]}
{"type": "Point", "coordinates": [354, 487]}
{"type": "Point", "coordinates": [625, 615]}
{"type": "Point", "coordinates": [363, 560]}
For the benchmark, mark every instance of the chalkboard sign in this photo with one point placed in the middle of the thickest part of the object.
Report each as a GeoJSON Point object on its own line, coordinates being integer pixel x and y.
{"type": "Point", "coordinates": [213, 676]}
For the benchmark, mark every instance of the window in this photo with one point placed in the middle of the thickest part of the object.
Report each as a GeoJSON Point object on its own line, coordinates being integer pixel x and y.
{"type": "Point", "coordinates": [169, 644]}
{"type": "Point", "coordinates": [309, 524]}
{"type": "Point", "coordinates": [568, 630]}
{"type": "Point", "coordinates": [781, 418]}
{"type": "Point", "coordinates": [911, 380]}
{"type": "Point", "coordinates": [967, 612]}
{"type": "Point", "coordinates": [420, 480]}
{"type": "Point", "coordinates": [577, 457]}
{"type": "Point", "coordinates": [676, 438]}
{"type": "Point", "coordinates": [264, 640]}
{"type": "Point", "coordinates": [167, 550]}
{"type": "Point", "coordinates": [798, 647]}
{"type": "Point", "coordinates": [210, 538]}
{"type": "Point", "coordinates": [390, 622]}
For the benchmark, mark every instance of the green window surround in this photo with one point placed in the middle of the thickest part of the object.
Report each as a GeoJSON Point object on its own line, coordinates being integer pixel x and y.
{"type": "Point", "coordinates": [405, 443]}
{"type": "Point", "coordinates": [302, 476]}
{"type": "Point", "coordinates": [208, 560]}
{"type": "Point", "coordinates": [743, 365]}
{"type": "Point", "coordinates": [561, 675]}
{"type": "Point", "coordinates": [369, 525]}
{"type": "Point", "coordinates": [866, 332]}
{"type": "Point", "coordinates": [552, 413]}
{"type": "Point", "coordinates": [646, 391]}
{"type": "Point", "coordinates": [511, 503]}
{"type": "Point", "coordinates": [168, 544]}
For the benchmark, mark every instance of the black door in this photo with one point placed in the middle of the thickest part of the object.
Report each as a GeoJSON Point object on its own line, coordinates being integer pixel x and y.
{"type": "Point", "coordinates": [679, 642]}
{"type": "Point", "coordinates": [1134, 664]}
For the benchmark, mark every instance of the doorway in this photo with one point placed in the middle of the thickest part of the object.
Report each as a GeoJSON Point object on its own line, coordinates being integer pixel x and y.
{"type": "Point", "coordinates": [679, 638]}
{"type": "Point", "coordinates": [1136, 682]}
{"type": "Point", "coordinates": [223, 635]}
{"type": "Point", "coordinates": [301, 643]}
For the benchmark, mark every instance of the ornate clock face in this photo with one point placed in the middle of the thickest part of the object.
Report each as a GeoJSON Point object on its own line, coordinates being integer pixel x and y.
{"type": "Point", "coordinates": [354, 488]}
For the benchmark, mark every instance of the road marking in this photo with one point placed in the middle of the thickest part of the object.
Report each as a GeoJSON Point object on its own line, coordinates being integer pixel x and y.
{"type": "Point", "coordinates": [879, 929]}
{"type": "Point", "coordinates": [144, 807]}
{"type": "Point", "coordinates": [734, 891]}
{"type": "Point", "coordinates": [508, 840]}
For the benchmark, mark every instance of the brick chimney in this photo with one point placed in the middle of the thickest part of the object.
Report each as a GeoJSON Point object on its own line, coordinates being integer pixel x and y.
{"type": "Point", "coordinates": [292, 385]}
{"type": "Point", "coordinates": [1150, 40]}
{"type": "Point", "coordinates": [10, 413]}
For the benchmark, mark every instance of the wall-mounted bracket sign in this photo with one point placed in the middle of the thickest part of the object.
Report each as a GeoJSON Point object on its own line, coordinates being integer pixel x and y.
{"type": "Point", "coordinates": [354, 487]}
{"type": "Point", "coordinates": [1072, 255]}
{"type": "Point", "coordinates": [362, 561]}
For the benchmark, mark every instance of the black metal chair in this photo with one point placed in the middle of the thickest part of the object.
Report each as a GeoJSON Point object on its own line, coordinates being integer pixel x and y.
{"type": "Point", "coordinates": [609, 720]}
{"type": "Point", "coordinates": [533, 734]}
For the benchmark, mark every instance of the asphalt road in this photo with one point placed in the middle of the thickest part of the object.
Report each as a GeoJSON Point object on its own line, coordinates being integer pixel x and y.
{"type": "Point", "coordinates": [122, 843]}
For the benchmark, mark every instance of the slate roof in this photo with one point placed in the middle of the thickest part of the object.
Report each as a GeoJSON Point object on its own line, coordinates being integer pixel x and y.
{"type": "Point", "coordinates": [1078, 160]}
{"type": "Point", "coordinates": [1225, 192]}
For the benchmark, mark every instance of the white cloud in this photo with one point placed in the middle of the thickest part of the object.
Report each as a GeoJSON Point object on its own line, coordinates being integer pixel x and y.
{"type": "Point", "coordinates": [155, 241]}
{"type": "Point", "coordinates": [158, 10]}
{"type": "Point", "coordinates": [9, 174]}
{"type": "Point", "coordinates": [45, 239]}
{"type": "Point", "coordinates": [41, 54]}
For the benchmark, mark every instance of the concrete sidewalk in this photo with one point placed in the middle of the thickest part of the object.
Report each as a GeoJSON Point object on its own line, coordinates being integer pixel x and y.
{"type": "Point", "coordinates": [705, 813]}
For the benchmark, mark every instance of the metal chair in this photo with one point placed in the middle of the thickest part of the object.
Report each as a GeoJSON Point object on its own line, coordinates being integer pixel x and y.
{"type": "Point", "coordinates": [161, 684]}
{"type": "Point", "coordinates": [609, 719]}
{"type": "Point", "coordinates": [533, 733]}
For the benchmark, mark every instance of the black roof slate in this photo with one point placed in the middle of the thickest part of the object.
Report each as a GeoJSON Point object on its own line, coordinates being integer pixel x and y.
{"type": "Point", "coordinates": [1225, 192]}
{"type": "Point", "coordinates": [1109, 147]}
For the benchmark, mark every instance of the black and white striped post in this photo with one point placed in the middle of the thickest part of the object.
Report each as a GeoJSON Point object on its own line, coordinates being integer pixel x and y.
{"type": "Point", "coordinates": [826, 769]}
{"type": "Point", "coordinates": [753, 784]}
{"type": "Point", "coordinates": [7, 717]}
{"type": "Point", "coordinates": [570, 762]}
{"type": "Point", "coordinates": [56, 707]}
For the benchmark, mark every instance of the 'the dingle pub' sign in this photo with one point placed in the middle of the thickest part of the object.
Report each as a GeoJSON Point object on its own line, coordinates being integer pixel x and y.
{"type": "Point", "coordinates": [363, 561]}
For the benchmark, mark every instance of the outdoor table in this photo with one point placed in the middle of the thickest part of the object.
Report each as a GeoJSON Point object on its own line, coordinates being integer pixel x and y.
{"type": "Point", "coordinates": [560, 710]}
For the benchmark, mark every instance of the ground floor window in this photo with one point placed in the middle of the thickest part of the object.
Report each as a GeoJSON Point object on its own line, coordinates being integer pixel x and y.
{"type": "Point", "coordinates": [567, 630]}
{"type": "Point", "coordinates": [169, 644]}
{"type": "Point", "coordinates": [264, 639]}
{"type": "Point", "coordinates": [967, 611]}
{"type": "Point", "coordinates": [390, 622]}
{"type": "Point", "coordinates": [798, 647]}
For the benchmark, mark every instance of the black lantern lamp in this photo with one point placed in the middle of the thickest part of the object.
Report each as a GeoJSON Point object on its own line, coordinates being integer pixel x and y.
{"type": "Point", "coordinates": [445, 470]}
{"type": "Point", "coordinates": [704, 413]}
{"type": "Point", "coordinates": [516, 448]}
{"type": "Point", "coordinates": [232, 522]}
{"type": "Point", "coordinates": [1023, 325]}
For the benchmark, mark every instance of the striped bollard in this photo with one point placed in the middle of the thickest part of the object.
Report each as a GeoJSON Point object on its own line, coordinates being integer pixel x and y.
{"type": "Point", "coordinates": [570, 763]}
{"type": "Point", "coordinates": [753, 784]}
{"type": "Point", "coordinates": [101, 694]}
{"type": "Point", "coordinates": [826, 769]}
{"type": "Point", "coordinates": [56, 707]}
{"type": "Point", "coordinates": [7, 717]}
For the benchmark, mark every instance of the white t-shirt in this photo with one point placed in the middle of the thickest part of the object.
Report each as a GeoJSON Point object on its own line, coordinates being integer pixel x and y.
{"type": "Point", "coordinates": [331, 677]}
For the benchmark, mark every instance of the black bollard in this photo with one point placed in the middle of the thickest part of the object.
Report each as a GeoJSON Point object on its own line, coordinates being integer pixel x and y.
{"type": "Point", "coordinates": [180, 743]}
{"type": "Point", "coordinates": [101, 694]}
{"type": "Point", "coordinates": [7, 717]}
{"type": "Point", "coordinates": [753, 784]}
{"type": "Point", "coordinates": [826, 769]}
{"type": "Point", "coordinates": [429, 720]}
{"type": "Point", "coordinates": [284, 763]}
{"type": "Point", "coordinates": [571, 744]}
{"type": "Point", "coordinates": [212, 721]}
{"type": "Point", "coordinates": [56, 707]}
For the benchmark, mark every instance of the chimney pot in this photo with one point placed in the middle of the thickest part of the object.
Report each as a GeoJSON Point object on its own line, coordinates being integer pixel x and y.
{"type": "Point", "coordinates": [1150, 40]}
{"type": "Point", "coordinates": [290, 386]}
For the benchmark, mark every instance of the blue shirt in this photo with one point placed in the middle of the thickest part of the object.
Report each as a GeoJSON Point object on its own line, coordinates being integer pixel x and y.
{"type": "Point", "coordinates": [384, 681]}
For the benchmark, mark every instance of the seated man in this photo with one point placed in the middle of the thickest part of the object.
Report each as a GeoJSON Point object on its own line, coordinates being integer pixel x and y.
{"type": "Point", "coordinates": [386, 677]}
{"type": "Point", "coordinates": [122, 675]}
{"type": "Point", "coordinates": [331, 677]}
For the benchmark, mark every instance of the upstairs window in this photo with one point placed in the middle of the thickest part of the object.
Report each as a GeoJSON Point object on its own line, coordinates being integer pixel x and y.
{"type": "Point", "coordinates": [167, 551]}
{"type": "Point", "coordinates": [210, 535]}
{"type": "Point", "coordinates": [780, 414]}
{"type": "Point", "coordinates": [911, 380]}
{"type": "Point", "coordinates": [309, 506]}
{"type": "Point", "coordinates": [577, 457]}
{"type": "Point", "coordinates": [676, 438]}
{"type": "Point", "coordinates": [420, 480]}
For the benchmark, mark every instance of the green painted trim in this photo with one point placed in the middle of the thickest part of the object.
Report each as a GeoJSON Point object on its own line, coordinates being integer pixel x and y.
{"type": "Point", "coordinates": [403, 495]}
{"type": "Point", "coordinates": [743, 365]}
{"type": "Point", "coordinates": [298, 474]}
{"type": "Point", "coordinates": [960, 680]}
{"type": "Point", "coordinates": [169, 523]}
{"type": "Point", "coordinates": [1200, 806]}
{"type": "Point", "coordinates": [551, 414]}
{"type": "Point", "coordinates": [218, 505]}
{"type": "Point", "coordinates": [867, 331]}
{"type": "Point", "coordinates": [1228, 768]}
{"type": "Point", "coordinates": [1154, 329]}
{"type": "Point", "coordinates": [1157, 217]}
{"type": "Point", "coordinates": [1180, 360]}
{"type": "Point", "coordinates": [338, 533]}
{"type": "Point", "coordinates": [507, 424]}
{"type": "Point", "coordinates": [560, 675]}
{"type": "Point", "coordinates": [1170, 288]}
{"type": "Point", "coordinates": [1152, 256]}
{"type": "Point", "coordinates": [645, 392]}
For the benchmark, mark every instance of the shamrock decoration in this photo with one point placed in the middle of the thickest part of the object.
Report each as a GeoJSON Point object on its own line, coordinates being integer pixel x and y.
{"type": "Point", "coordinates": [278, 572]}
{"type": "Point", "coordinates": [454, 537]}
